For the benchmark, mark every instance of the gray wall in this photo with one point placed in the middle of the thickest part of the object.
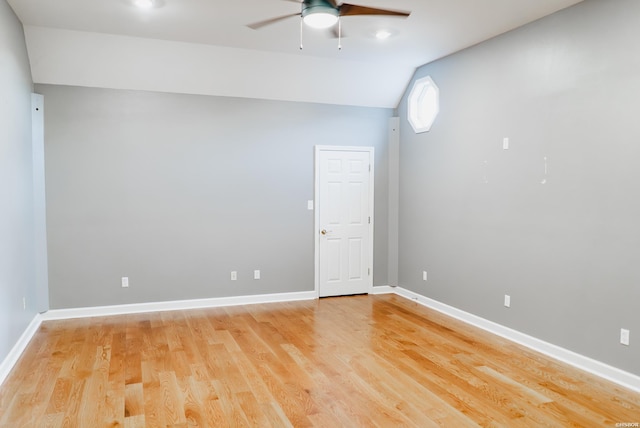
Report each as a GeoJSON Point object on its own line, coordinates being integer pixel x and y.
{"type": "Point", "coordinates": [17, 261]}
{"type": "Point", "coordinates": [568, 252]}
{"type": "Point", "coordinates": [176, 191]}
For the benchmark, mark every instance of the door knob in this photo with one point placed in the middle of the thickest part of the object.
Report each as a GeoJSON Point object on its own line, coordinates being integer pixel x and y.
{"type": "Point", "coordinates": [323, 231]}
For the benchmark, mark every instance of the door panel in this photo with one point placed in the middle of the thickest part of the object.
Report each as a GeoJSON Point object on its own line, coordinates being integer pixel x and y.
{"type": "Point", "coordinates": [355, 258]}
{"type": "Point", "coordinates": [333, 260]}
{"type": "Point", "coordinates": [345, 206]}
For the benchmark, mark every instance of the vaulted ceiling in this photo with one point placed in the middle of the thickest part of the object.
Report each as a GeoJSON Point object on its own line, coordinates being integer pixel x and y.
{"type": "Point", "coordinates": [205, 46]}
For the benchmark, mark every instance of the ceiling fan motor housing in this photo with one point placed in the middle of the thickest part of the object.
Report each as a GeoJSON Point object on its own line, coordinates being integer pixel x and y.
{"type": "Point", "coordinates": [310, 7]}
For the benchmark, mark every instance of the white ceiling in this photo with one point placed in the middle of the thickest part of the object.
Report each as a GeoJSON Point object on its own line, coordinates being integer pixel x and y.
{"type": "Point", "coordinates": [205, 47]}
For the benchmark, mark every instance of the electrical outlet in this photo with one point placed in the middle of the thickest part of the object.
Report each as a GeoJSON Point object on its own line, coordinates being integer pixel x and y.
{"type": "Point", "coordinates": [424, 275]}
{"type": "Point", "coordinates": [234, 275]}
{"type": "Point", "coordinates": [125, 281]}
{"type": "Point", "coordinates": [624, 336]}
{"type": "Point", "coordinates": [507, 301]}
{"type": "Point", "coordinates": [505, 143]}
{"type": "Point", "coordinates": [310, 205]}
{"type": "Point", "coordinates": [256, 274]}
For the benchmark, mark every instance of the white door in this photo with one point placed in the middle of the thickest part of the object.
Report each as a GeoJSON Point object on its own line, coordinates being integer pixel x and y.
{"type": "Point", "coordinates": [344, 203]}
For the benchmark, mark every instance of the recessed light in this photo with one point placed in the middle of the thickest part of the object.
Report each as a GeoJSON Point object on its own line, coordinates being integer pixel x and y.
{"type": "Point", "coordinates": [383, 34]}
{"type": "Point", "coordinates": [143, 4]}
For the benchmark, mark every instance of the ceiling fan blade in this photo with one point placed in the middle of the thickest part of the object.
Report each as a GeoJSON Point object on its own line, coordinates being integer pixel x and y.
{"type": "Point", "coordinates": [347, 9]}
{"type": "Point", "coordinates": [258, 25]}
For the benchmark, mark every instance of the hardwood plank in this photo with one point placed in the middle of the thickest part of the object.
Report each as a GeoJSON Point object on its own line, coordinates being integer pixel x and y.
{"type": "Point", "coordinates": [137, 421]}
{"type": "Point", "coordinates": [194, 410]}
{"type": "Point", "coordinates": [74, 403]}
{"type": "Point", "coordinates": [53, 420]}
{"type": "Point", "coordinates": [211, 408]}
{"type": "Point", "coordinates": [353, 361]}
{"type": "Point", "coordinates": [172, 399]}
{"type": "Point", "coordinates": [153, 406]}
{"type": "Point", "coordinates": [133, 400]}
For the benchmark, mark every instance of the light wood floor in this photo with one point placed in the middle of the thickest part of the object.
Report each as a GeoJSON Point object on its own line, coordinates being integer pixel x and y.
{"type": "Point", "coordinates": [339, 362]}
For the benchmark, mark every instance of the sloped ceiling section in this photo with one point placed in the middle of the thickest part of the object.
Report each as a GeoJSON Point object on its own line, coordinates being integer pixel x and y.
{"type": "Point", "coordinates": [78, 58]}
{"type": "Point", "coordinates": [205, 47]}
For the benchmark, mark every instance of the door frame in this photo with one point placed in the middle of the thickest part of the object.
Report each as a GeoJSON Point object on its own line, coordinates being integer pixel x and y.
{"type": "Point", "coordinates": [316, 206]}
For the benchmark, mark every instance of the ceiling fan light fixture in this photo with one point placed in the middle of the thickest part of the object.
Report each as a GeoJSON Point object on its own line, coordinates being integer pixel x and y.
{"type": "Point", "coordinates": [320, 17]}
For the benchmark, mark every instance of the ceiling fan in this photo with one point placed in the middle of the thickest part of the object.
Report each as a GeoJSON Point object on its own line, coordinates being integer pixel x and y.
{"type": "Point", "coordinates": [326, 13]}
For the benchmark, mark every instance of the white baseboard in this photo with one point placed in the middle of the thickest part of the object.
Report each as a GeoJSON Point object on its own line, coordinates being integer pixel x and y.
{"type": "Point", "coordinates": [99, 311]}
{"type": "Point", "coordinates": [621, 377]}
{"type": "Point", "coordinates": [383, 289]}
{"type": "Point", "coordinates": [587, 364]}
{"type": "Point", "coordinates": [12, 358]}
{"type": "Point", "coordinates": [58, 314]}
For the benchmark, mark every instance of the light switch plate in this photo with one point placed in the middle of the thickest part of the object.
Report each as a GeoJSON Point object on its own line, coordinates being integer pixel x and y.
{"type": "Point", "coordinates": [624, 336]}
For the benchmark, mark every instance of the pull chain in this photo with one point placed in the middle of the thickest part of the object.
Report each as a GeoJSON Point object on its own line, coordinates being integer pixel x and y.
{"type": "Point", "coordinates": [339, 34]}
{"type": "Point", "coordinates": [301, 19]}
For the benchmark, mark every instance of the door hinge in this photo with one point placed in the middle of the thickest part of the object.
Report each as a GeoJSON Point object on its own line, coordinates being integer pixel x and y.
{"type": "Point", "coordinates": [369, 167]}
{"type": "Point", "coordinates": [369, 220]}
{"type": "Point", "coordinates": [369, 271]}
